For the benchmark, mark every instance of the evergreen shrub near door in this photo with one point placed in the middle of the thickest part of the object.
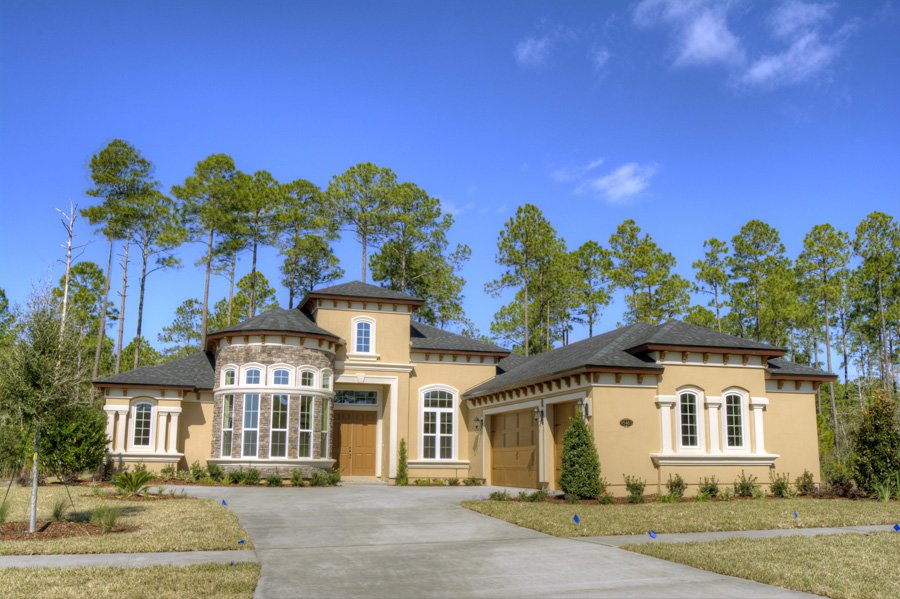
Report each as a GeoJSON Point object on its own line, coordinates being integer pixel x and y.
{"type": "Point", "coordinates": [402, 468]}
{"type": "Point", "coordinates": [876, 451]}
{"type": "Point", "coordinates": [580, 474]}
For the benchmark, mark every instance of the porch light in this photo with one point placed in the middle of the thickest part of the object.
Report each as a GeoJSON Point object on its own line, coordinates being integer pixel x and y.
{"type": "Point", "coordinates": [538, 415]}
{"type": "Point", "coordinates": [584, 406]}
{"type": "Point", "coordinates": [478, 422]}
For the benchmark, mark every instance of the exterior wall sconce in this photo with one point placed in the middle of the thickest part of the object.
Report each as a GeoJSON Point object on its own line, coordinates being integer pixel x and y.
{"type": "Point", "coordinates": [584, 406]}
{"type": "Point", "coordinates": [478, 423]}
{"type": "Point", "coordinates": [539, 415]}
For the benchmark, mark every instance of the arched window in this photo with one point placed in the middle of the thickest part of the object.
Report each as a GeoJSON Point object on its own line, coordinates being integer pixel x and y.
{"type": "Point", "coordinates": [688, 420]}
{"type": "Point", "coordinates": [282, 376]}
{"type": "Point", "coordinates": [230, 376]}
{"type": "Point", "coordinates": [307, 378]}
{"type": "Point", "coordinates": [143, 419]}
{"type": "Point", "coordinates": [363, 341]}
{"type": "Point", "coordinates": [734, 421]}
{"type": "Point", "coordinates": [326, 379]}
{"type": "Point", "coordinates": [437, 424]}
{"type": "Point", "coordinates": [252, 376]}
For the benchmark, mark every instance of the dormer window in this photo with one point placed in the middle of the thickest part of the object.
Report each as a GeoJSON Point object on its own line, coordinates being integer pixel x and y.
{"type": "Point", "coordinates": [282, 377]}
{"type": "Point", "coordinates": [252, 376]}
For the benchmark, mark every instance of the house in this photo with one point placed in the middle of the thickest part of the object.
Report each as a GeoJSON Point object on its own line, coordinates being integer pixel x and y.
{"type": "Point", "coordinates": [342, 380]}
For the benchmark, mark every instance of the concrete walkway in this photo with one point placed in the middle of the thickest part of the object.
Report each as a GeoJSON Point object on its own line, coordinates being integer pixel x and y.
{"type": "Point", "coordinates": [418, 542]}
{"type": "Point", "coordinates": [686, 537]}
{"type": "Point", "coordinates": [127, 560]}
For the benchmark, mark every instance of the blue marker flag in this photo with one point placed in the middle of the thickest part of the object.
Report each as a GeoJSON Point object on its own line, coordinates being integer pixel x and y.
{"type": "Point", "coordinates": [897, 527]}
{"type": "Point", "coordinates": [652, 534]}
{"type": "Point", "coordinates": [576, 519]}
{"type": "Point", "coordinates": [796, 515]}
{"type": "Point", "coordinates": [231, 564]}
{"type": "Point", "coordinates": [241, 542]}
{"type": "Point", "coordinates": [224, 503]}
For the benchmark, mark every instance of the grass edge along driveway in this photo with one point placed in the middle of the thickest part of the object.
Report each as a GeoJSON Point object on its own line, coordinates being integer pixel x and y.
{"type": "Point", "coordinates": [846, 565]}
{"type": "Point", "coordinates": [624, 519]}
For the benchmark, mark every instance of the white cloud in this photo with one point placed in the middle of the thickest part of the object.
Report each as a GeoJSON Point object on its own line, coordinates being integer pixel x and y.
{"type": "Point", "coordinates": [796, 17]}
{"type": "Point", "coordinates": [533, 52]}
{"type": "Point", "coordinates": [806, 57]}
{"type": "Point", "coordinates": [699, 30]}
{"type": "Point", "coordinates": [599, 57]}
{"type": "Point", "coordinates": [621, 184]}
{"type": "Point", "coordinates": [573, 173]}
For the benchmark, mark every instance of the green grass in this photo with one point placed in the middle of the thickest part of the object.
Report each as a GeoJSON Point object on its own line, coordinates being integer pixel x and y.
{"type": "Point", "coordinates": [160, 582]}
{"type": "Point", "coordinates": [752, 514]}
{"type": "Point", "coordinates": [845, 565]}
{"type": "Point", "coordinates": [163, 525]}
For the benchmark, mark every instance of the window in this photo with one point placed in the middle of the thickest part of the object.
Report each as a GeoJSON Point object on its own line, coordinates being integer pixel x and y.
{"type": "Point", "coordinates": [282, 377]}
{"type": "Point", "coordinates": [307, 378]}
{"type": "Point", "coordinates": [734, 420]}
{"type": "Point", "coordinates": [690, 436]}
{"type": "Point", "coordinates": [251, 424]}
{"type": "Point", "coordinates": [142, 419]}
{"type": "Point", "coordinates": [227, 424]}
{"type": "Point", "coordinates": [229, 377]}
{"type": "Point", "coordinates": [363, 331]}
{"type": "Point", "coordinates": [305, 426]}
{"type": "Point", "coordinates": [437, 430]}
{"type": "Point", "coordinates": [278, 439]}
{"type": "Point", "coordinates": [323, 448]}
{"type": "Point", "coordinates": [326, 379]}
{"type": "Point", "coordinates": [252, 376]}
{"type": "Point", "coordinates": [356, 398]}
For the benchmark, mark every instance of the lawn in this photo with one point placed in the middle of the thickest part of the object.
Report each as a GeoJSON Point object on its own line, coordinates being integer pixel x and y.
{"type": "Point", "coordinates": [750, 514]}
{"type": "Point", "coordinates": [160, 582]}
{"type": "Point", "coordinates": [182, 524]}
{"type": "Point", "coordinates": [847, 565]}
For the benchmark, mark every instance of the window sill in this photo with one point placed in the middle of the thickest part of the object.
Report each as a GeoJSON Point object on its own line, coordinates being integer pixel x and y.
{"type": "Point", "coordinates": [363, 357]}
{"type": "Point", "coordinates": [456, 464]}
{"type": "Point", "coordinates": [714, 459]}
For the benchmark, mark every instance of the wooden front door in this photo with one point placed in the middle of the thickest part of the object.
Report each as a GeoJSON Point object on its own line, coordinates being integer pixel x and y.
{"type": "Point", "coordinates": [562, 412]}
{"type": "Point", "coordinates": [514, 449]}
{"type": "Point", "coordinates": [353, 442]}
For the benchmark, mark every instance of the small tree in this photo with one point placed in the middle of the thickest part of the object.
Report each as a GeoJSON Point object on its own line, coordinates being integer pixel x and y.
{"type": "Point", "coordinates": [75, 442]}
{"type": "Point", "coordinates": [402, 468]}
{"type": "Point", "coordinates": [40, 376]}
{"type": "Point", "coordinates": [876, 449]}
{"type": "Point", "coordinates": [580, 465]}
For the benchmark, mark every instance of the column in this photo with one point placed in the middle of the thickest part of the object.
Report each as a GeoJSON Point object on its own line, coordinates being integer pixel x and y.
{"type": "Point", "coordinates": [161, 418]}
{"type": "Point", "coordinates": [121, 429]}
{"type": "Point", "coordinates": [173, 429]}
{"type": "Point", "coordinates": [666, 403]}
{"type": "Point", "coordinates": [110, 426]}
{"type": "Point", "coordinates": [392, 436]}
{"type": "Point", "coordinates": [757, 406]}
{"type": "Point", "coordinates": [715, 408]}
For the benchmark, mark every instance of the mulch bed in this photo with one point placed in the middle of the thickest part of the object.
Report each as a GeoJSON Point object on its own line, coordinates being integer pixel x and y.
{"type": "Point", "coordinates": [18, 531]}
{"type": "Point", "coordinates": [148, 497]}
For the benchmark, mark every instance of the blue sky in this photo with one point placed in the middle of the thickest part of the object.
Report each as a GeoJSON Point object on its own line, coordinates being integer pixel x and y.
{"type": "Point", "coordinates": [689, 117]}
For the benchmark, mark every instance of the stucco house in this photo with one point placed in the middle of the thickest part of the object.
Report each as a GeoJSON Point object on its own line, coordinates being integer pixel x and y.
{"type": "Point", "coordinates": [340, 381]}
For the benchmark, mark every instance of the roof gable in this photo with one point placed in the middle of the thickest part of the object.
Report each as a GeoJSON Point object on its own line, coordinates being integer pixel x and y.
{"type": "Point", "coordinates": [277, 320]}
{"type": "Point", "coordinates": [360, 290]}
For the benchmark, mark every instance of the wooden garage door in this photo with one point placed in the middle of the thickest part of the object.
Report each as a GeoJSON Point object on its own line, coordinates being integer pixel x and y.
{"type": "Point", "coordinates": [514, 449]}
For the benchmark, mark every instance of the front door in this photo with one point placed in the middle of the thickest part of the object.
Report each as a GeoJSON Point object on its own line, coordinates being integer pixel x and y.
{"type": "Point", "coordinates": [562, 413]}
{"type": "Point", "coordinates": [354, 442]}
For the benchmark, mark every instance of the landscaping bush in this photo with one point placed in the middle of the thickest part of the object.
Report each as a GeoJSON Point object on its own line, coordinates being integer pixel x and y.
{"type": "Point", "coordinates": [667, 498]}
{"type": "Point", "coordinates": [676, 486]}
{"type": "Point", "coordinates": [134, 482]}
{"type": "Point", "coordinates": [60, 507]}
{"type": "Point", "coordinates": [635, 488]}
{"type": "Point", "coordinates": [402, 466]}
{"type": "Point", "coordinates": [839, 483]}
{"type": "Point", "coordinates": [273, 480]}
{"type": "Point", "coordinates": [334, 477]}
{"type": "Point", "coordinates": [745, 486]}
{"type": "Point", "coordinates": [710, 487]}
{"type": "Point", "coordinates": [215, 472]}
{"type": "Point", "coordinates": [167, 472]}
{"type": "Point", "coordinates": [580, 466]}
{"type": "Point", "coordinates": [198, 471]}
{"type": "Point", "coordinates": [882, 491]}
{"type": "Point", "coordinates": [423, 482]}
{"type": "Point", "coordinates": [804, 483]}
{"type": "Point", "coordinates": [702, 496]}
{"type": "Point", "coordinates": [780, 485]}
{"type": "Point", "coordinates": [453, 482]}
{"type": "Point", "coordinates": [251, 477]}
{"type": "Point", "coordinates": [320, 478]}
{"type": "Point", "coordinates": [297, 477]}
{"type": "Point", "coordinates": [473, 482]}
{"type": "Point", "coordinates": [535, 497]}
{"type": "Point", "coordinates": [106, 516]}
{"type": "Point", "coordinates": [876, 446]}
{"type": "Point", "coordinates": [499, 496]}
{"type": "Point", "coordinates": [228, 479]}
{"type": "Point", "coordinates": [74, 442]}
{"type": "Point", "coordinates": [727, 494]}
{"type": "Point", "coordinates": [237, 476]}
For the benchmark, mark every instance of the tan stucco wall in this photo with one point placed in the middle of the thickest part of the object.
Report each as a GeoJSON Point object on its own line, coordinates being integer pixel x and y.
{"type": "Point", "coordinates": [790, 431]}
{"type": "Point", "coordinates": [391, 332]}
{"type": "Point", "coordinates": [195, 431]}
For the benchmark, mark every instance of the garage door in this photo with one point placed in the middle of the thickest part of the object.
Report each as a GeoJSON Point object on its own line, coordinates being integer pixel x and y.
{"type": "Point", "coordinates": [514, 449]}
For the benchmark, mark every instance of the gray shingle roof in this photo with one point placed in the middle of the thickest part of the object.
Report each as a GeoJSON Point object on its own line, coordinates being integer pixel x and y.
{"type": "Point", "coordinates": [511, 361]}
{"type": "Point", "coordinates": [676, 332]}
{"type": "Point", "coordinates": [363, 290]}
{"type": "Point", "coordinates": [780, 366]}
{"type": "Point", "coordinates": [278, 320]}
{"type": "Point", "coordinates": [423, 336]}
{"type": "Point", "coordinates": [196, 371]}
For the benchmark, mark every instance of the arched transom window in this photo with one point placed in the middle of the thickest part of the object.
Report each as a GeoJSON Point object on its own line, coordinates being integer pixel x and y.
{"type": "Point", "coordinates": [437, 425]}
{"type": "Point", "coordinates": [143, 412]}
{"type": "Point", "coordinates": [689, 431]}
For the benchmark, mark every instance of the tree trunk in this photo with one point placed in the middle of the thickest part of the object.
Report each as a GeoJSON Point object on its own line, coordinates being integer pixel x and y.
{"type": "Point", "coordinates": [204, 317]}
{"type": "Point", "coordinates": [884, 354]}
{"type": "Point", "coordinates": [590, 325]}
{"type": "Point", "coordinates": [140, 318]}
{"type": "Point", "coordinates": [231, 289]}
{"type": "Point", "coordinates": [32, 508]}
{"type": "Point", "coordinates": [122, 294]}
{"type": "Point", "coordinates": [526, 318]}
{"type": "Point", "coordinates": [365, 250]}
{"type": "Point", "coordinates": [291, 297]}
{"type": "Point", "coordinates": [70, 231]}
{"type": "Point", "coordinates": [101, 327]}
{"type": "Point", "coordinates": [253, 281]}
{"type": "Point", "coordinates": [834, 414]}
{"type": "Point", "coordinates": [718, 317]}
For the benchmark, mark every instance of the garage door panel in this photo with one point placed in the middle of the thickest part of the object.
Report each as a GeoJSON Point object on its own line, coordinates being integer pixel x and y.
{"type": "Point", "coordinates": [514, 449]}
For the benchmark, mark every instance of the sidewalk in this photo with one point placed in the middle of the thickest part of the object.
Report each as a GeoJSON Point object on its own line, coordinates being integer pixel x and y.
{"type": "Point", "coordinates": [685, 537]}
{"type": "Point", "coordinates": [127, 560]}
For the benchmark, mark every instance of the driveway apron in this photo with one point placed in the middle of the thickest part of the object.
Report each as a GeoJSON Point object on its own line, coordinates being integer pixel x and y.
{"type": "Point", "coordinates": [398, 542]}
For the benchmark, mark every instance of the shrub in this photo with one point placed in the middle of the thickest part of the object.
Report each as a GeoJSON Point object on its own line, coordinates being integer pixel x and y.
{"type": "Point", "coordinates": [580, 466]}
{"type": "Point", "coordinates": [882, 491]}
{"type": "Point", "coordinates": [676, 486]}
{"type": "Point", "coordinates": [4, 511]}
{"type": "Point", "coordinates": [805, 484]}
{"type": "Point", "coordinates": [473, 482]}
{"type": "Point", "coordinates": [273, 480]}
{"type": "Point", "coordinates": [198, 471]}
{"type": "Point", "coordinates": [402, 467]}
{"type": "Point", "coordinates": [571, 498]}
{"type": "Point", "coordinates": [702, 496]}
{"type": "Point", "coordinates": [535, 497]}
{"type": "Point", "coordinates": [334, 477]}
{"type": "Point", "coordinates": [780, 485]}
{"type": "Point", "coordinates": [320, 478]}
{"type": "Point", "coordinates": [60, 507]}
{"type": "Point", "coordinates": [710, 487]}
{"type": "Point", "coordinates": [453, 482]}
{"type": "Point", "coordinates": [215, 472]}
{"type": "Point", "coordinates": [840, 483]}
{"type": "Point", "coordinates": [105, 517]}
{"type": "Point", "coordinates": [74, 442]}
{"type": "Point", "coordinates": [297, 477]}
{"type": "Point", "coordinates": [133, 483]}
{"type": "Point", "coordinates": [727, 494]}
{"type": "Point", "coordinates": [251, 477]}
{"type": "Point", "coordinates": [236, 477]}
{"type": "Point", "coordinates": [423, 482]}
{"type": "Point", "coordinates": [744, 485]}
{"type": "Point", "coordinates": [897, 486]}
{"type": "Point", "coordinates": [499, 496]}
{"type": "Point", "coordinates": [13, 440]}
{"type": "Point", "coordinates": [167, 472]}
{"type": "Point", "coordinates": [635, 488]}
{"type": "Point", "coordinates": [876, 446]}
{"type": "Point", "coordinates": [605, 498]}
{"type": "Point", "coordinates": [667, 498]}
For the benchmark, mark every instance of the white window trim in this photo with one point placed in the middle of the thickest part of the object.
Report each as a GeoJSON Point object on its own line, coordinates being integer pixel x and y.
{"type": "Point", "coordinates": [745, 421]}
{"type": "Point", "coordinates": [223, 429]}
{"type": "Point", "coordinates": [322, 374]}
{"type": "Point", "coordinates": [244, 428]}
{"type": "Point", "coordinates": [237, 375]}
{"type": "Point", "coordinates": [262, 375]}
{"type": "Point", "coordinates": [454, 410]}
{"type": "Point", "coordinates": [287, 435]}
{"type": "Point", "coordinates": [307, 368]}
{"type": "Point", "coordinates": [353, 351]}
{"type": "Point", "coordinates": [132, 429]}
{"type": "Point", "coordinates": [701, 421]}
{"type": "Point", "coordinates": [291, 374]}
{"type": "Point", "coordinates": [312, 424]}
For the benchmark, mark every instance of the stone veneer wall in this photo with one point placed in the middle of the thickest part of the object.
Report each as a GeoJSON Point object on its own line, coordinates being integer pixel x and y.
{"type": "Point", "coordinates": [270, 354]}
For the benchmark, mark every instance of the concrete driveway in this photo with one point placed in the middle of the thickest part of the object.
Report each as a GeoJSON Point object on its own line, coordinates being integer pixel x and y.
{"type": "Point", "coordinates": [395, 542]}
